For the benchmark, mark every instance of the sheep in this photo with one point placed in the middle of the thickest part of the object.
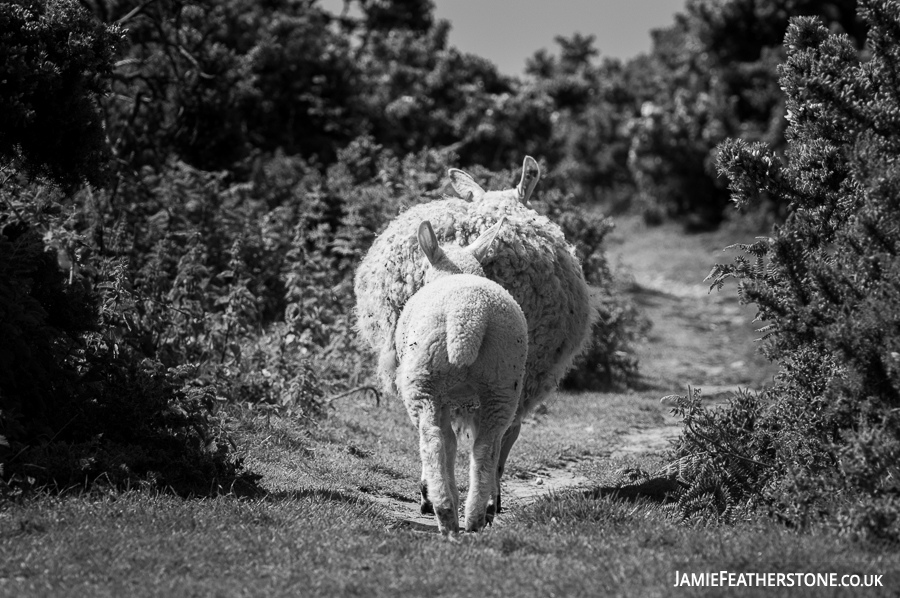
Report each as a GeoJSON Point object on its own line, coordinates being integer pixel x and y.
{"type": "Point", "coordinates": [458, 361]}
{"type": "Point", "coordinates": [532, 260]}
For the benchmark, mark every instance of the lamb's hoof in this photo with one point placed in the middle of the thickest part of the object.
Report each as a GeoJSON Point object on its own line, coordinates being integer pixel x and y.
{"type": "Point", "coordinates": [448, 521]}
{"type": "Point", "coordinates": [493, 509]}
{"type": "Point", "coordinates": [476, 525]}
{"type": "Point", "coordinates": [475, 522]}
{"type": "Point", "coordinates": [489, 514]}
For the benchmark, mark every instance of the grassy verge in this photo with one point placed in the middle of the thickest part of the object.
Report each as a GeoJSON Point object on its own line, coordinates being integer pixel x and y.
{"type": "Point", "coordinates": [331, 545]}
{"type": "Point", "coordinates": [318, 533]}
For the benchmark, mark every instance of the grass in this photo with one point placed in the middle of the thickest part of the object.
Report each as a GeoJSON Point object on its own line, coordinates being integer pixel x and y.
{"type": "Point", "coordinates": [138, 544]}
{"type": "Point", "coordinates": [318, 533]}
{"type": "Point", "coordinates": [322, 527]}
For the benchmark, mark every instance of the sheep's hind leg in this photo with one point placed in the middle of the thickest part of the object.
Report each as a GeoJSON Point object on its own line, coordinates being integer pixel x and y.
{"type": "Point", "coordinates": [509, 439]}
{"type": "Point", "coordinates": [434, 422]}
{"type": "Point", "coordinates": [425, 506]}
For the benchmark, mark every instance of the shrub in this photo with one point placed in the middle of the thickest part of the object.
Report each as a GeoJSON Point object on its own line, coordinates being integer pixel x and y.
{"type": "Point", "coordinates": [713, 76]}
{"type": "Point", "coordinates": [826, 284]}
{"type": "Point", "coordinates": [55, 60]}
{"type": "Point", "coordinates": [74, 405]}
{"type": "Point", "coordinates": [76, 402]}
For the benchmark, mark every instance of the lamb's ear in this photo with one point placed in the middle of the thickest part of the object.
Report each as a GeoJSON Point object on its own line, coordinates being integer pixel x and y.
{"type": "Point", "coordinates": [428, 242]}
{"type": "Point", "coordinates": [479, 248]}
{"type": "Point", "coordinates": [464, 185]}
{"type": "Point", "coordinates": [531, 174]}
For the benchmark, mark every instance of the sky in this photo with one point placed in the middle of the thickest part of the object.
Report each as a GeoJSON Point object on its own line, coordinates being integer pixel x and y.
{"type": "Point", "coordinates": [507, 32]}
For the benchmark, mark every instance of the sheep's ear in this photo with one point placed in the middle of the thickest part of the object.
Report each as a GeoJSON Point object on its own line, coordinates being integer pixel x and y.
{"type": "Point", "coordinates": [482, 244]}
{"type": "Point", "coordinates": [464, 185]}
{"type": "Point", "coordinates": [428, 242]}
{"type": "Point", "coordinates": [531, 174]}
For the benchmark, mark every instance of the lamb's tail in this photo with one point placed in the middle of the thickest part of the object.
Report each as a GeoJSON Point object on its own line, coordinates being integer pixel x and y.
{"type": "Point", "coordinates": [465, 335]}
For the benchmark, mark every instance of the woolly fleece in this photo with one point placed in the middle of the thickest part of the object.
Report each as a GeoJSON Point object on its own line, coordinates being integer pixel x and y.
{"type": "Point", "coordinates": [531, 259]}
{"type": "Point", "coordinates": [461, 346]}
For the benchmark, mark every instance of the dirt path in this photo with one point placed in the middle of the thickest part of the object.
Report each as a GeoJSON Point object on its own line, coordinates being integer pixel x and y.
{"type": "Point", "coordinates": [698, 338]}
{"type": "Point", "coordinates": [517, 492]}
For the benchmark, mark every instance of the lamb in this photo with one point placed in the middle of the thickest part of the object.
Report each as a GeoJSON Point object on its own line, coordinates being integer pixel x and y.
{"type": "Point", "coordinates": [532, 260]}
{"type": "Point", "coordinates": [458, 362]}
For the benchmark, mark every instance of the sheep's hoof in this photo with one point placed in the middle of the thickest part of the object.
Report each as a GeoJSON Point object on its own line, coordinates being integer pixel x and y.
{"type": "Point", "coordinates": [425, 507]}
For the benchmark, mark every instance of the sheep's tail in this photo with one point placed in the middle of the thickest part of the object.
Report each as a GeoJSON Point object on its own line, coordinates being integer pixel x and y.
{"type": "Point", "coordinates": [387, 362]}
{"type": "Point", "coordinates": [465, 335]}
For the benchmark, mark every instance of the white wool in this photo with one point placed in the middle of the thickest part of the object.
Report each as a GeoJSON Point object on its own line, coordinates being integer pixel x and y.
{"type": "Point", "coordinates": [531, 259]}
{"type": "Point", "coordinates": [458, 362]}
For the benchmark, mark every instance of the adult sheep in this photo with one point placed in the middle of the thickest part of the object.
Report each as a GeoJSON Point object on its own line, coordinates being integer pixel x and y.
{"type": "Point", "coordinates": [531, 260]}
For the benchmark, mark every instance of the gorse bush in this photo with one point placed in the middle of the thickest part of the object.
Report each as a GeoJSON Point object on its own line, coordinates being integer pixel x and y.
{"type": "Point", "coordinates": [824, 438]}
{"type": "Point", "coordinates": [712, 76]}
{"type": "Point", "coordinates": [55, 63]}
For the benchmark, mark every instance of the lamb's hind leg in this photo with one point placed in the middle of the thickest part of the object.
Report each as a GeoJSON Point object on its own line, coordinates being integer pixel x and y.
{"type": "Point", "coordinates": [450, 449]}
{"type": "Point", "coordinates": [485, 460]}
{"type": "Point", "coordinates": [482, 479]}
{"type": "Point", "coordinates": [434, 423]}
{"type": "Point", "coordinates": [450, 462]}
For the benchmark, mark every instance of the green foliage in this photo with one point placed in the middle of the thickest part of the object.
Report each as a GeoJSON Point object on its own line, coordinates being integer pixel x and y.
{"type": "Point", "coordinates": [389, 15]}
{"type": "Point", "coordinates": [671, 154]}
{"type": "Point", "coordinates": [217, 85]}
{"type": "Point", "coordinates": [42, 320]}
{"type": "Point", "coordinates": [55, 60]}
{"type": "Point", "coordinates": [718, 455]}
{"type": "Point", "coordinates": [591, 106]}
{"type": "Point", "coordinates": [826, 284]}
{"type": "Point", "coordinates": [74, 406]}
{"type": "Point", "coordinates": [713, 77]}
{"type": "Point", "coordinates": [212, 83]}
{"type": "Point", "coordinates": [644, 132]}
{"type": "Point", "coordinates": [423, 93]}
